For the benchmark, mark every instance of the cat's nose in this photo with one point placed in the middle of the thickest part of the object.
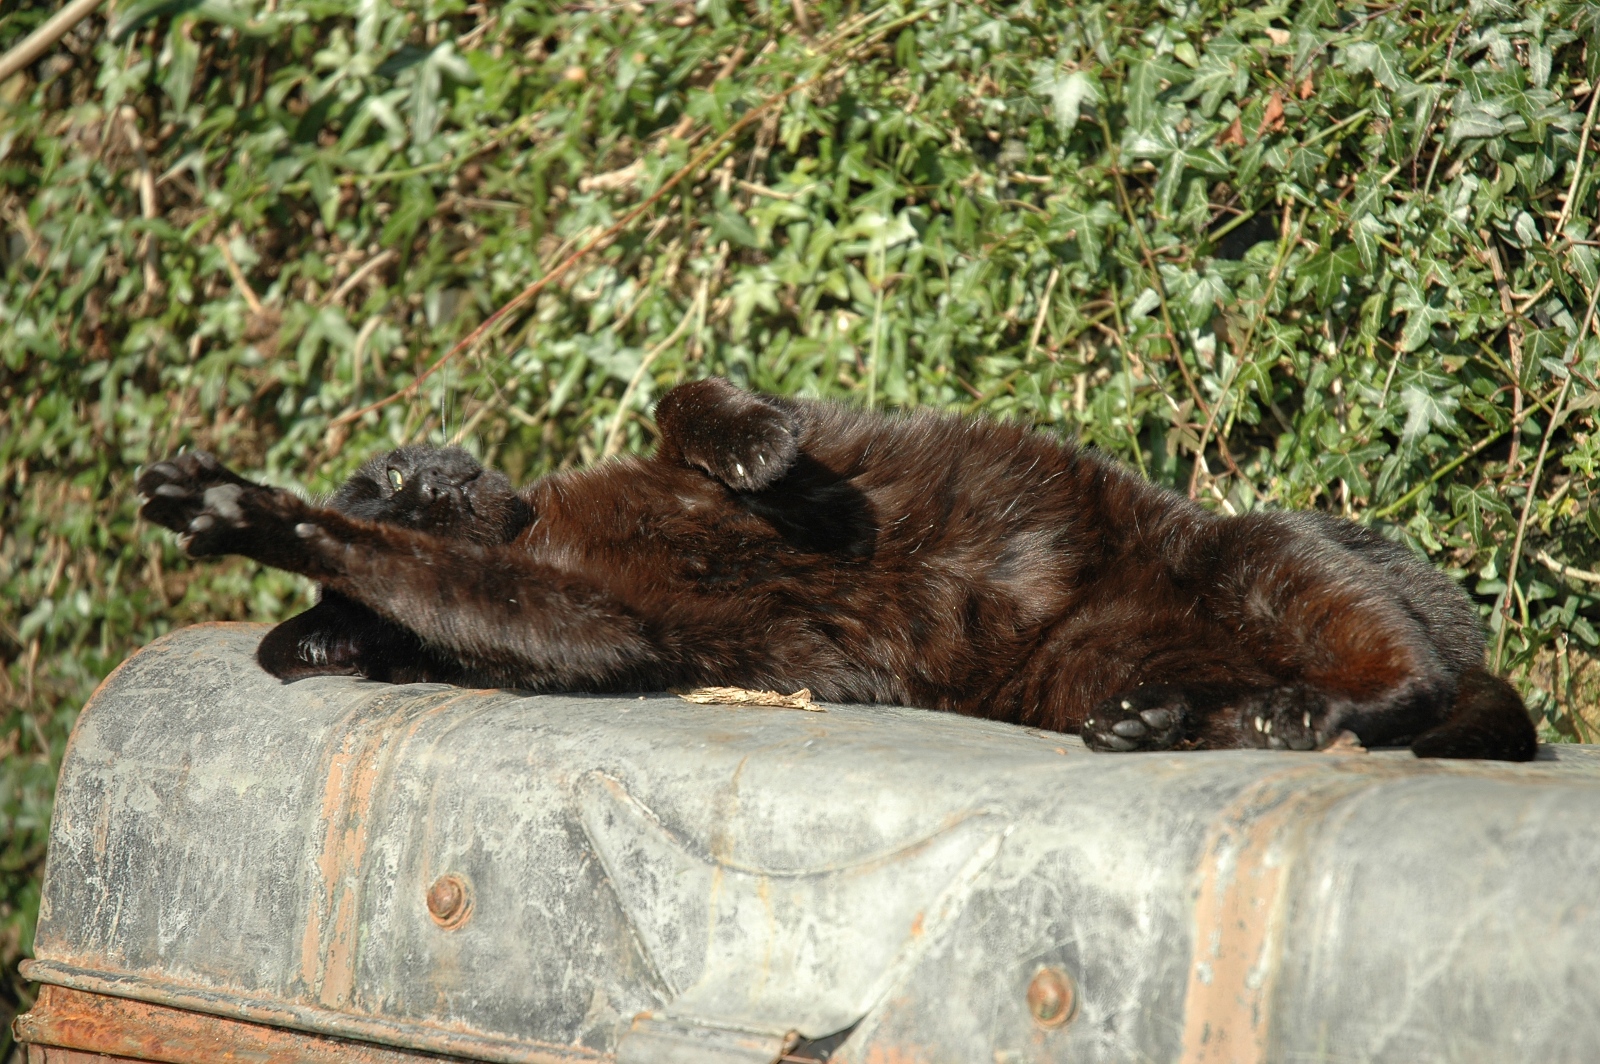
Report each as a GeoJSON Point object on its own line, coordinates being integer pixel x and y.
{"type": "Point", "coordinates": [438, 482]}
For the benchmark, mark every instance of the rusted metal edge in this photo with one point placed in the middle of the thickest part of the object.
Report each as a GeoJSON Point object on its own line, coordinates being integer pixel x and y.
{"type": "Point", "coordinates": [58, 1055]}
{"type": "Point", "coordinates": [311, 1020]}
{"type": "Point", "coordinates": [95, 1023]}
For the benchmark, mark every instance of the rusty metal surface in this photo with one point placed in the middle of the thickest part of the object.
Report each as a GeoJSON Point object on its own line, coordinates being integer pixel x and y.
{"type": "Point", "coordinates": [94, 1027]}
{"type": "Point", "coordinates": [564, 878]}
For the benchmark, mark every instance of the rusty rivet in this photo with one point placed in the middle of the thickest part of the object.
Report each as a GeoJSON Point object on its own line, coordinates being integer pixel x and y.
{"type": "Point", "coordinates": [1051, 998]}
{"type": "Point", "coordinates": [449, 901]}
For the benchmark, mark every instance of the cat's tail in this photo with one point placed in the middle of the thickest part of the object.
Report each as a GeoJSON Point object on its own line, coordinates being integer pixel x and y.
{"type": "Point", "coordinates": [1487, 720]}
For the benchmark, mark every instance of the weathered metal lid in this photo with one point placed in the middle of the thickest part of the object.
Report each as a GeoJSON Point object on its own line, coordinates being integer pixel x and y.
{"type": "Point", "coordinates": [568, 878]}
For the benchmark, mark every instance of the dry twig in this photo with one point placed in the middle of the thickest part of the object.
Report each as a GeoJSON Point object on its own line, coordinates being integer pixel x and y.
{"type": "Point", "coordinates": [739, 696]}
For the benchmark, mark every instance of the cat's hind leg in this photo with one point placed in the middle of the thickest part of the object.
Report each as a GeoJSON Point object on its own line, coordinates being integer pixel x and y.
{"type": "Point", "coordinates": [746, 441]}
{"type": "Point", "coordinates": [341, 637]}
{"type": "Point", "coordinates": [1485, 719]}
{"type": "Point", "coordinates": [1337, 637]}
{"type": "Point", "coordinates": [313, 643]}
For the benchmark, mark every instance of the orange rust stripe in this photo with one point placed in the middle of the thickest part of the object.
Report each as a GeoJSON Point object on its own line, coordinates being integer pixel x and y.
{"type": "Point", "coordinates": [446, 1042]}
{"type": "Point", "coordinates": [328, 945]}
{"type": "Point", "coordinates": [118, 1027]}
{"type": "Point", "coordinates": [57, 1055]}
{"type": "Point", "coordinates": [1240, 906]}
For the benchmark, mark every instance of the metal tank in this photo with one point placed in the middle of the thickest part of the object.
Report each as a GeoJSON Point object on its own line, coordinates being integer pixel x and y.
{"type": "Point", "coordinates": [341, 871]}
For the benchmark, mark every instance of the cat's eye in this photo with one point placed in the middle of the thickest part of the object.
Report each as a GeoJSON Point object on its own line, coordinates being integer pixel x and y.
{"type": "Point", "coordinates": [395, 479]}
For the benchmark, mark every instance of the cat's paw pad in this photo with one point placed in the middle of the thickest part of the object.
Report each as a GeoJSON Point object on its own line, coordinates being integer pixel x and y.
{"type": "Point", "coordinates": [1284, 718]}
{"type": "Point", "coordinates": [1150, 717]}
{"type": "Point", "coordinates": [181, 489]}
{"type": "Point", "coordinates": [199, 498]}
{"type": "Point", "coordinates": [749, 450]}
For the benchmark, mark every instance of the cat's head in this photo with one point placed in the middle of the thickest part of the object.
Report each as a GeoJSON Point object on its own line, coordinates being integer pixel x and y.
{"type": "Point", "coordinates": [439, 490]}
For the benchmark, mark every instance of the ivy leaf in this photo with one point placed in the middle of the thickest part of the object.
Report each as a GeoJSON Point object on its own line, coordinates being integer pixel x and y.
{"type": "Point", "coordinates": [1582, 261]}
{"type": "Point", "coordinates": [427, 90]}
{"type": "Point", "coordinates": [1478, 119]}
{"type": "Point", "coordinates": [179, 60]}
{"type": "Point", "coordinates": [1067, 93]}
{"type": "Point", "coordinates": [752, 290]}
{"type": "Point", "coordinates": [1426, 410]}
{"type": "Point", "coordinates": [1475, 503]}
{"type": "Point", "coordinates": [1147, 301]}
{"type": "Point", "coordinates": [1366, 233]}
{"type": "Point", "coordinates": [1087, 226]}
{"type": "Point", "coordinates": [732, 225]}
{"type": "Point", "coordinates": [1347, 466]}
{"type": "Point", "coordinates": [140, 12]}
{"type": "Point", "coordinates": [1323, 275]}
{"type": "Point", "coordinates": [416, 206]}
{"type": "Point", "coordinates": [1527, 230]}
{"type": "Point", "coordinates": [1146, 79]}
{"type": "Point", "coordinates": [1422, 314]}
{"type": "Point", "coordinates": [1218, 77]}
{"type": "Point", "coordinates": [1197, 295]}
{"type": "Point", "coordinates": [1379, 58]}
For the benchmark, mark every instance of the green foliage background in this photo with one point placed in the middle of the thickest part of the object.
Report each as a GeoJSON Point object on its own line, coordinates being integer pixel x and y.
{"type": "Point", "coordinates": [1292, 255]}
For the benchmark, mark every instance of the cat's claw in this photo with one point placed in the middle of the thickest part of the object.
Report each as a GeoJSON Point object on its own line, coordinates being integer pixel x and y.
{"type": "Point", "coordinates": [1150, 717]}
{"type": "Point", "coordinates": [1284, 718]}
{"type": "Point", "coordinates": [758, 449]}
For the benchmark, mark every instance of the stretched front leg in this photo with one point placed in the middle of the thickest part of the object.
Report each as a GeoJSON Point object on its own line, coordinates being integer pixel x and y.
{"type": "Point", "coordinates": [746, 441]}
{"type": "Point", "coordinates": [509, 618]}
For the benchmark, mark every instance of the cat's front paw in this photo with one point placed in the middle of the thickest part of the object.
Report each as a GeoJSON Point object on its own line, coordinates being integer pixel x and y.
{"type": "Point", "coordinates": [1149, 717]}
{"type": "Point", "coordinates": [1285, 718]}
{"type": "Point", "coordinates": [196, 496]}
{"type": "Point", "coordinates": [740, 439]}
{"type": "Point", "coordinates": [749, 450]}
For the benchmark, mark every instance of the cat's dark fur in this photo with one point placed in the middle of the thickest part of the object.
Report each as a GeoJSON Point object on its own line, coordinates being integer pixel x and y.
{"type": "Point", "coordinates": [924, 560]}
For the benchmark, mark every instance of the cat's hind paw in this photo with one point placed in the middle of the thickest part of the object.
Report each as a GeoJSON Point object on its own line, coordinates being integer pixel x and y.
{"type": "Point", "coordinates": [1149, 717]}
{"type": "Point", "coordinates": [753, 450]}
{"type": "Point", "coordinates": [772, 456]}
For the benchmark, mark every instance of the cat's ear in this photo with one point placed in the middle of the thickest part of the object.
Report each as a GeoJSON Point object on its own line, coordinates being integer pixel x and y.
{"type": "Point", "coordinates": [744, 440]}
{"type": "Point", "coordinates": [365, 496]}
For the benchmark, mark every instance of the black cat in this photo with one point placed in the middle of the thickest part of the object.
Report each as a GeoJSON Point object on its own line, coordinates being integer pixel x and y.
{"type": "Point", "coordinates": [924, 560]}
{"type": "Point", "coordinates": [443, 492]}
